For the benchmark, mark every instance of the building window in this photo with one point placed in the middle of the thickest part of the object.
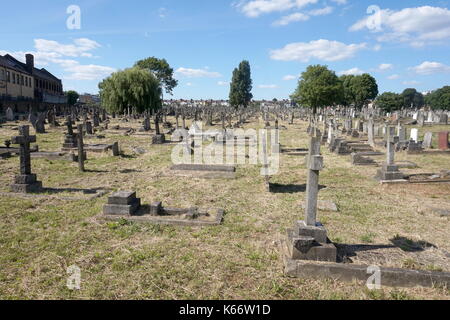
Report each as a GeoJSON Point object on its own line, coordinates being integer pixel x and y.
{"type": "Point", "coordinates": [14, 78]}
{"type": "Point", "coordinates": [26, 81]}
{"type": "Point", "coordinates": [21, 80]}
{"type": "Point", "coordinates": [8, 76]}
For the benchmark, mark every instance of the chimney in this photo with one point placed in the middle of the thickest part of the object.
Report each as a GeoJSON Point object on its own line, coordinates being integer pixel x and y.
{"type": "Point", "coordinates": [30, 62]}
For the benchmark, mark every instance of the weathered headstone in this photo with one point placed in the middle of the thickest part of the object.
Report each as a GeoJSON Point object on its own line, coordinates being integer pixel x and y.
{"type": "Point", "coordinates": [26, 182]}
{"type": "Point", "coordinates": [389, 171]}
{"type": "Point", "coordinates": [122, 203]}
{"type": "Point", "coordinates": [427, 140]}
{"type": "Point", "coordinates": [10, 114]}
{"type": "Point", "coordinates": [443, 140]}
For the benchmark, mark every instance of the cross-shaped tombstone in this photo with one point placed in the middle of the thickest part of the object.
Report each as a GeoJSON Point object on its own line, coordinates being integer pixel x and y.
{"type": "Point", "coordinates": [80, 148]}
{"type": "Point", "coordinates": [315, 164]}
{"type": "Point", "coordinates": [25, 182]}
{"type": "Point", "coordinates": [24, 139]}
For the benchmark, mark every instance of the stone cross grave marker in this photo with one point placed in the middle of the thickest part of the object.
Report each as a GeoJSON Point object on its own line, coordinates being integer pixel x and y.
{"type": "Point", "coordinates": [80, 148]}
{"type": "Point", "coordinates": [315, 164]}
{"type": "Point", "coordinates": [25, 182]}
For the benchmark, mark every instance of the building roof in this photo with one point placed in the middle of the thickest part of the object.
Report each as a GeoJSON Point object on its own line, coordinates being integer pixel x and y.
{"type": "Point", "coordinates": [10, 62]}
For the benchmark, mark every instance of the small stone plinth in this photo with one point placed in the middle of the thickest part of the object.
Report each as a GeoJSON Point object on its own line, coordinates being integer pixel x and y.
{"type": "Point", "coordinates": [26, 184]}
{"type": "Point", "coordinates": [389, 172]}
{"type": "Point", "coordinates": [122, 203]}
{"type": "Point", "coordinates": [158, 139]}
{"type": "Point", "coordinates": [310, 243]}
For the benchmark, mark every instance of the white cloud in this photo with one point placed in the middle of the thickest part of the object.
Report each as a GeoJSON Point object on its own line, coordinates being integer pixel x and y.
{"type": "Point", "coordinates": [393, 77]}
{"type": "Point", "coordinates": [162, 13]}
{"type": "Point", "coordinates": [223, 83]}
{"type": "Point", "coordinates": [319, 49]}
{"type": "Point", "coordinates": [417, 26]}
{"type": "Point", "coordinates": [289, 77]}
{"type": "Point", "coordinates": [88, 72]}
{"type": "Point", "coordinates": [255, 8]}
{"type": "Point", "coordinates": [189, 84]}
{"type": "Point", "coordinates": [80, 47]}
{"type": "Point", "coordinates": [428, 68]}
{"type": "Point", "coordinates": [267, 86]}
{"type": "Point", "coordinates": [321, 12]}
{"type": "Point", "coordinates": [340, 2]}
{"type": "Point", "coordinates": [197, 73]}
{"type": "Point", "coordinates": [352, 71]}
{"type": "Point", "coordinates": [385, 67]}
{"type": "Point", "coordinates": [377, 47]}
{"type": "Point", "coordinates": [291, 18]}
{"type": "Point", "coordinates": [411, 83]}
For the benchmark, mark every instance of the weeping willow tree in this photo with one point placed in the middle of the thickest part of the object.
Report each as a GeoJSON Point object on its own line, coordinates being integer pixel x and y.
{"type": "Point", "coordinates": [132, 87]}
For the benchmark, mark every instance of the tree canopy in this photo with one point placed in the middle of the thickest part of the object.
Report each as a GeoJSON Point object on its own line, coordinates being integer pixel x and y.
{"type": "Point", "coordinates": [161, 70]}
{"type": "Point", "coordinates": [348, 97]}
{"type": "Point", "coordinates": [318, 87]}
{"type": "Point", "coordinates": [132, 87]}
{"type": "Point", "coordinates": [364, 88]}
{"type": "Point", "coordinates": [439, 99]}
{"type": "Point", "coordinates": [241, 85]}
{"type": "Point", "coordinates": [389, 101]}
{"type": "Point", "coordinates": [72, 97]}
{"type": "Point", "coordinates": [412, 98]}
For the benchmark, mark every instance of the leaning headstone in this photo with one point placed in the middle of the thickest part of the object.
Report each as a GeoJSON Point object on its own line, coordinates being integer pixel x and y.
{"type": "Point", "coordinates": [26, 182]}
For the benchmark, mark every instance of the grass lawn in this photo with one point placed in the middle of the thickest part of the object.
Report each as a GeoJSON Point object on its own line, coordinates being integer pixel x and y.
{"type": "Point", "coordinates": [240, 259]}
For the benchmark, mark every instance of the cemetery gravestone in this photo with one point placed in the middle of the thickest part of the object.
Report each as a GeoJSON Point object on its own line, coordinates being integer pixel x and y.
{"type": "Point", "coordinates": [26, 182]}
{"type": "Point", "coordinates": [443, 140]}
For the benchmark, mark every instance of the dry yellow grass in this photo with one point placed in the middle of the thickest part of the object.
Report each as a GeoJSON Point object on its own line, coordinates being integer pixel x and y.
{"type": "Point", "coordinates": [240, 259]}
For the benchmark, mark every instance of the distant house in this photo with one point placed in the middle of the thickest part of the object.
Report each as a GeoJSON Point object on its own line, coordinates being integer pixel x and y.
{"type": "Point", "coordinates": [22, 81]}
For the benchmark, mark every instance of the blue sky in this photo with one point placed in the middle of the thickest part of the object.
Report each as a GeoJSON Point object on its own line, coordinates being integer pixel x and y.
{"type": "Point", "coordinates": [401, 43]}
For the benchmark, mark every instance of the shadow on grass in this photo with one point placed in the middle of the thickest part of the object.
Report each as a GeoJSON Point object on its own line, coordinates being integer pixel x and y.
{"type": "Point", "coordinates": [129, 171]}
{"type": "Point", "coordinates": [289, 188]}
{"type": "Point", "coordinates": [127, 156]}
{"type": "Point", "coordinates": [95, 171]}
{"type": "Point", "coordinates": [409, 245]}
{"type": "Point", "coordinates": [63, 190]}
{"type": "Point", "coordinates": [345, 251]}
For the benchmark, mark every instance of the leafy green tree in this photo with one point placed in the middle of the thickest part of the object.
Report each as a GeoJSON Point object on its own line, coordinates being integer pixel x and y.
{"type": "Point", "coordinates": [348, 97]}
{"type": "Point", "coordinates": [439, 99]}
{"type": "Point", "coordinates": [72, 97]}
{"type": "Point", "coordinates": [241, 85]}
{"type": "Point", "coordinates": [318, 87]}
{"type": "Point", "coordinates": [162, 71]}
{"type": "Point", "coordinates": [412, 98]}
{"type": "Point", "coordinates": [133, 87]}
{"type": "Point", "coordinates": [389, 101]}
{"type": "Point", "coordinates": [364, 88]}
